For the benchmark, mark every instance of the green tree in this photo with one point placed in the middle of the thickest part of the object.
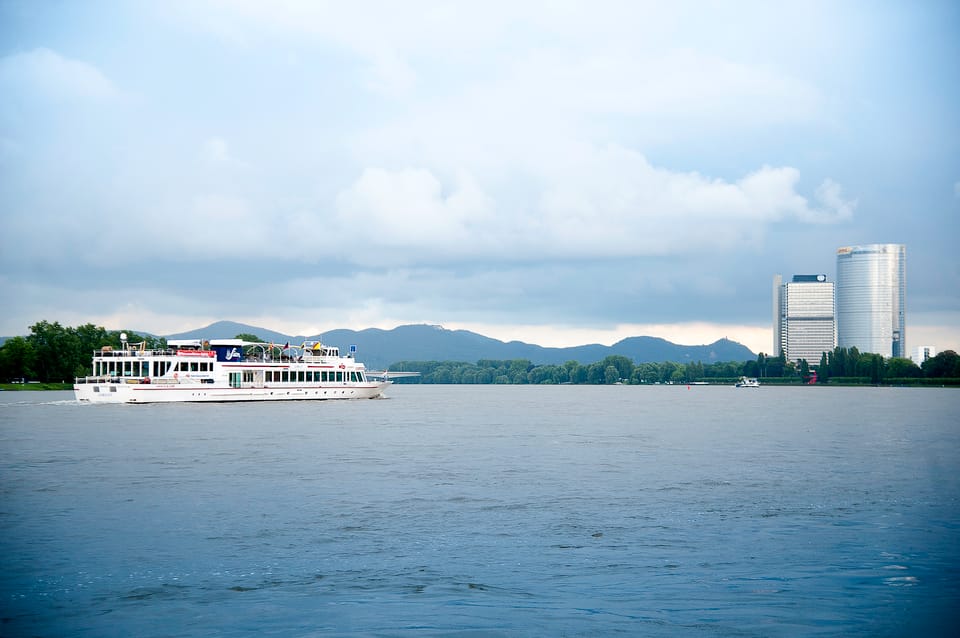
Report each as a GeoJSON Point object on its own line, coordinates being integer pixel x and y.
{"type": "Point", "coordinates": [93, 338]}
{"type": "Point", "coordinates": [667, 370]}
{"type": "Point", "coordinates": [611, 375]}
{"type": "Point", "coordinates": [761, 365]}
{"type": "Point", "coordinates": [596, 373]}
{"type": "Point", "coordinates": [249, 337]}
{"type": "Point", "coordinates": [875, 367]}
{"type": "Point", "coordinates": [17, 359]}
{"type": "Point", "coordinates": [623, 365]}
{"type": "Point", "coordinates": [518, 370]}
{"type": "Point", "coordinates": [944, 365]}
{"type": "Point", "coordinates": [547, 374]}
{"type": "Point", "coordinates": [646, 373]}
{"type": "Point", "coordinates": [776, 366]}
{"type": "Point", "coordinates": [579, 374]}
{"type": "Point", "coordinates": [58, 356]}
{"type": "Point", "coordinates": [900, 368]}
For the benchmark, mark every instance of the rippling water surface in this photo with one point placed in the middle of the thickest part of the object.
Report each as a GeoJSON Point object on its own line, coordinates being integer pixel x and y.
{"type": "Point", "coordinates": [485, 511]}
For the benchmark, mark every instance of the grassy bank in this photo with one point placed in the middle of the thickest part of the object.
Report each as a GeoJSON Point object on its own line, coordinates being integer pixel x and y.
{"type": "Point", "coordinates": [32, 387]}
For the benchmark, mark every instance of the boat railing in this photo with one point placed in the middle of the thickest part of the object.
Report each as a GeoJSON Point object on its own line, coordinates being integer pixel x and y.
{"type": "Point", "coordinates": [175, 380]}
{"type": "Point", "coordinates": [100, 352]}
{"type": "Point", "coordinates": [108, 379]}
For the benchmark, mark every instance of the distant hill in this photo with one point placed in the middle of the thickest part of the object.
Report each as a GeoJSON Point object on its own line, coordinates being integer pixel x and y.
{"type": "Point", "coordinates": [379, 349]}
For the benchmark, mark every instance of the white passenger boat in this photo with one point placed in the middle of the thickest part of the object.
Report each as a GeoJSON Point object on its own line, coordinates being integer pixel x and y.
{"type": "Point", "coordinates": [747, 382]}
{"type": "Point", "coordinates": [226, 370]}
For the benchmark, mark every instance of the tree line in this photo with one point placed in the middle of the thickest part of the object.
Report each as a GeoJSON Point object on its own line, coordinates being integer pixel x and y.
{"type": "Point", "coordinates": [55, 353]}
{"type": "Point", "coordinates": [840, 366]}
{"type": "Point", "coordinates": [52, 353]}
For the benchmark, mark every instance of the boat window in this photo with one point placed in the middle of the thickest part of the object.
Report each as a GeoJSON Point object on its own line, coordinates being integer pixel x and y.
{"type": "Point", "coordinates": [301, 376]}
{"type": "Point", "coordinates": [339, 376]}
{"type": "Point", "coordinates": [360, 377]}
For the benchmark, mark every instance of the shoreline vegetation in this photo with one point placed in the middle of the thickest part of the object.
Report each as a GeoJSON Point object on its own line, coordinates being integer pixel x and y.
{"type": "Point", "coordinates": [51, 356]}
{"type": "Point", "coordinates": [34, 386]}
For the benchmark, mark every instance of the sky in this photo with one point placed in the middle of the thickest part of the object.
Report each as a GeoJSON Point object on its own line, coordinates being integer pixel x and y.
{"type": "Point", "coordinates": [555, 172]}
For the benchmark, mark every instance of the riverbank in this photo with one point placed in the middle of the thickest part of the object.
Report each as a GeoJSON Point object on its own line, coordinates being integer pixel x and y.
{"type": "Point", "coordinates": [28, 387]}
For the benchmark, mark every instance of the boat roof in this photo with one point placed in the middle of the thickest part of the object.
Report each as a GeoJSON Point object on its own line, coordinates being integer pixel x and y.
{"type": "Point", "coordinates": [184, 343]}
{"type": "Point", "coordinates": [199, 343]}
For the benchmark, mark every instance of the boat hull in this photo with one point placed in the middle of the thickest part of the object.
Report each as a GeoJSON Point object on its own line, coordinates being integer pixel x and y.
{"type": "Point", "coordinates": [197, 393]}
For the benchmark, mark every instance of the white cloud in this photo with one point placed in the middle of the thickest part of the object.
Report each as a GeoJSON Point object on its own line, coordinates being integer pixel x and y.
{"type": "Point", "coordinates": [215, 151]}
{"type": "Point", "coordinates": [612, 203]}
{"type": "Point", "coordinates": [408, 209]}
{"type": "Point", "coordinates": [46, 74]}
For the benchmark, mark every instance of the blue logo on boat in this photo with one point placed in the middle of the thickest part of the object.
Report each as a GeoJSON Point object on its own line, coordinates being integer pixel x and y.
{"type": "Point", "coordinates": [228, 353]}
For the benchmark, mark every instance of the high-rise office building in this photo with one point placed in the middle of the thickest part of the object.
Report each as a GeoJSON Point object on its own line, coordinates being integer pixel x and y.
{"type": "Point", "coordinates": [804, 325]}
{"type": "Point", "coordinates": [871, 298]}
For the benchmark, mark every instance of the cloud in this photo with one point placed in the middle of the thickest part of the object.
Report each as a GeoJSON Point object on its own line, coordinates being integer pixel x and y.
{"type": "Point", "coordinates": [633, 57]}
{"type": "Point", "coordinates": [45, 74]}
{"type": "Point", "coordinates": [408, 209]}
{"type": "Point", "coordinates": [611, 204]}
{"type": "Point", "coordinates": [215, 152]}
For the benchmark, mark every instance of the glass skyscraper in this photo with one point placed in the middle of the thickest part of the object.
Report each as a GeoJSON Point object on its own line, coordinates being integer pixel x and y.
{"type": "Point", "coordinates": [804, 326]}
{"type": "Point", "coordinates": [871, 298]}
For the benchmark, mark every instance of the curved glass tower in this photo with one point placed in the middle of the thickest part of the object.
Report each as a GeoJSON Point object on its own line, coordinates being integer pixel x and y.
{"type": "Point", "coordinates": [871, 298]}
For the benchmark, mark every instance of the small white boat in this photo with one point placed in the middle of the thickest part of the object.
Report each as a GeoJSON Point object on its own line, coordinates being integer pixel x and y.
{"type": "Point", "coordinates": [747, 382]}
{"type": "Point", "coordinates": [225, 370]}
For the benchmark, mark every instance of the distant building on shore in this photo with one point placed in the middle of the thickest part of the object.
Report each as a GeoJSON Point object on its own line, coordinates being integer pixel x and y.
{"type": "Point", "coordinates": [922, 353]}
{"type": "Point", "coordinates": [804, 320]}
{"type": "Point", "coordinates": [871, 298]}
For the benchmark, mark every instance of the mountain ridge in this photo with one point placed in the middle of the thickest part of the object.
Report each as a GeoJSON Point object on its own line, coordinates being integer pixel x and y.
{"type": "Point", "coordinates": [379, 348]}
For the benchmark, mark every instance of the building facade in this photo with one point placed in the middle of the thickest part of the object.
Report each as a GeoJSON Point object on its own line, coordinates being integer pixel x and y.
{"type": "Point", "coordinates": [871, 298]}
{"type": "Point", "coordinates": [922, 353]}
{"type": "Point", "coordinates": [804, 318]}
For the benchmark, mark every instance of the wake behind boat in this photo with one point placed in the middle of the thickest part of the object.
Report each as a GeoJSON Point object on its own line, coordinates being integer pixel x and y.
{"type": "Point", "coordinates": [225, 370]}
